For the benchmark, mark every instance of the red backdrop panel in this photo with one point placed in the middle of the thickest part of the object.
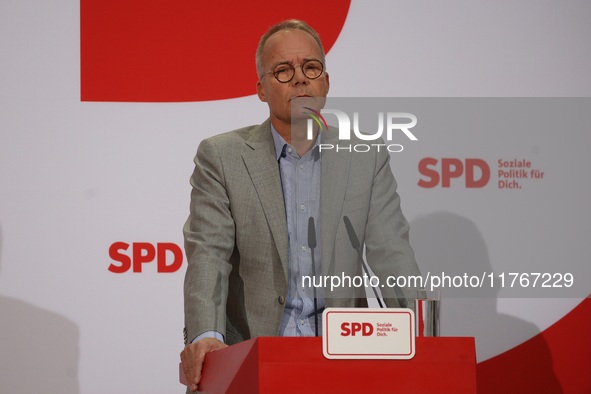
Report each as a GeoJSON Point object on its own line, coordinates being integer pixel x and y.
{"type": "Point", "coordinates": [181, 50]}
{"type": "Point", "coordinates": [558, 360]}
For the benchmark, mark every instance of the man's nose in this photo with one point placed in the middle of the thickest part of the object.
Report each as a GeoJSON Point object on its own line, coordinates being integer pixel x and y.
{"type": "Point", "coordinates": [299, 76]}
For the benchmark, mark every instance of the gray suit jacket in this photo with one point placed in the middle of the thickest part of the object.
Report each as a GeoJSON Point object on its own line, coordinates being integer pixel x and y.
{"type": "Point", "coordinates": [236, 235]}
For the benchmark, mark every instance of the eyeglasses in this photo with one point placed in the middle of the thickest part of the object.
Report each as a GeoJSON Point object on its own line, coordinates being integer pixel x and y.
{"type": "Point", "coordinates": [284, 72]}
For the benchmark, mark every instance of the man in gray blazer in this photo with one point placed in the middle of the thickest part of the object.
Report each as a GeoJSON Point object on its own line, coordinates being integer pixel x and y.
{"type": "Point", "coordinates": [245, 238]}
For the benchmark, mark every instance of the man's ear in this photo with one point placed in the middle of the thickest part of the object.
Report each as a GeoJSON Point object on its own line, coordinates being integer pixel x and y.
{"type": "Point", "coordinates": [261, 91]}
{"type": "Point", "coordinates": [327, 83]}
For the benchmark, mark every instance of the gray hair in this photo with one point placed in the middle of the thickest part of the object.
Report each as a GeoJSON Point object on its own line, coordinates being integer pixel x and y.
{"type": "Point", "coordinates": [290, 24]}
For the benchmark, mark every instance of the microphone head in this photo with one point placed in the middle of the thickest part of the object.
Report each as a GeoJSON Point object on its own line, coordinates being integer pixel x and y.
{"type": "Point", "coordinates": [311, 233]}
{"type": "Point", "coordinates": [351, 232]}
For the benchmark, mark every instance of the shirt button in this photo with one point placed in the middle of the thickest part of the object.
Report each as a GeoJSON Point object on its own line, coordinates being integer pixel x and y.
{"type": "Point", "coordinates": [302, 166]}
{"type": "Point", "coordinates": [303, 248]}
{"type": "Point", "coordinates": [302, 207]}
{"type": "Point", "coordinates": [302, 322]}
{"type": "Point", "coordinates": [289, 150]}
{"type": "Point", "coordinates": [281, 300]}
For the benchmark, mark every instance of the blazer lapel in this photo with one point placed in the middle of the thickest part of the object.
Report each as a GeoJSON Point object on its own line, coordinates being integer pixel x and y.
{"type": "Point", "coordinates": [263, 169]}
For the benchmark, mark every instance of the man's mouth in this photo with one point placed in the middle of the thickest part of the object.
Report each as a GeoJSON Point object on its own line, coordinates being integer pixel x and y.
{"type": "Point", "coordinates": [300, 96]}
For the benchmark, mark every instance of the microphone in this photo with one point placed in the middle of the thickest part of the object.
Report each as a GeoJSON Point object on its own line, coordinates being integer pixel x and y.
{"type": "Point", "coordinates": [312, 246]}
{"type": "Point", "coordinates": [359, 248]}
{"type": "Point", "coordinates": [311, 233]}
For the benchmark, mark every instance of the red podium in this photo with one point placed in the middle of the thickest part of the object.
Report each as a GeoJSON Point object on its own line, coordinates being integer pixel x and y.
{"type": "Point", "coordinates": [294, 365]}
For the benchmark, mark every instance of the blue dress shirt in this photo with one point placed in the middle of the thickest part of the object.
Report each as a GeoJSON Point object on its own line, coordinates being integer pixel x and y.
{"type": "Point", "coordinates": [300, 181]}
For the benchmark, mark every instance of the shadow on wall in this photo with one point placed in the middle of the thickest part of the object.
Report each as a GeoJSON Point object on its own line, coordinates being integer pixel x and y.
{"type": "Point", "coordinates": [446, 242]}
{"type": "Point", "coordinates": [39, 349]}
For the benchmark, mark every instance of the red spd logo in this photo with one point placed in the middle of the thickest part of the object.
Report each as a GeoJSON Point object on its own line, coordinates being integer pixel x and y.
{"type": "Point", "coordinates": [476, 172]}
{"type": "Point", "coordinates": [354, 328]}
{"type": "Point", "coordinates": [168, 257]}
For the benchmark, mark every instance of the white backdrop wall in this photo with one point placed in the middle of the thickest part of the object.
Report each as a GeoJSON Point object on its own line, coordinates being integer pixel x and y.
{"type": "Point", "coordinates": [76, 177]}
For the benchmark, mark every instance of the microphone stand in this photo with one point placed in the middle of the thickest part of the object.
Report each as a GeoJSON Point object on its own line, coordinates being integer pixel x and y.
{"type": "Point", "coordinates": [359, 248]}
{"type": "Point", "coordinates": [312, 246]}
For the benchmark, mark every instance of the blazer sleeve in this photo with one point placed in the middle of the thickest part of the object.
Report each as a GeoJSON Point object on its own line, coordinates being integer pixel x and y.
{"type": "Point", "coordinates": [209, 235]}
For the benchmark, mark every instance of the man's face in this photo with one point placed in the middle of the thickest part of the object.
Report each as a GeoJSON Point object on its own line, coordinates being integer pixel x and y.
{"type": "Point", "coordinates": [293, 47]}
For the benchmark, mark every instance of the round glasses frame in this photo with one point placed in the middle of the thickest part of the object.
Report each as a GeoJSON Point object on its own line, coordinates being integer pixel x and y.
{"type": "Point", "coordinates": [289, 69]}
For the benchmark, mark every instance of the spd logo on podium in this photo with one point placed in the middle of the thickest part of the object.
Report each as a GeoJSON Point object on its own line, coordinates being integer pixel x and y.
{"type": "Point", "coordinates": [371, 333]}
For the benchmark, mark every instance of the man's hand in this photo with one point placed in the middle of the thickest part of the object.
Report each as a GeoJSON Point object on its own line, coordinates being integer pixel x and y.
{"type": "Point", "coordinates": [192, 358]}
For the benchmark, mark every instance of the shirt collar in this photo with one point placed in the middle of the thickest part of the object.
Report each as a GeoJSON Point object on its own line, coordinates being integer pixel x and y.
{"type": "Point", "coordinates": [280, 144]}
